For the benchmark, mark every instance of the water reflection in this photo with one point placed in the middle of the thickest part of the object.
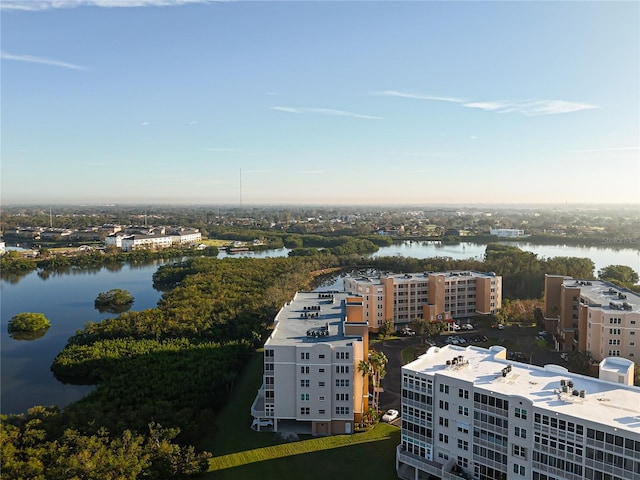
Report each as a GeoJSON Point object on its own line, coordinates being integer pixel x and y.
{"type": "Point", "coordinates": [29, 336]}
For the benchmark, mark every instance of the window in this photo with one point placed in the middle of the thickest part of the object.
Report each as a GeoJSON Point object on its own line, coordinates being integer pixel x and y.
{"type": "Point", "coordinates": [519, 469]}
{"type": "Point", "coordinates": [321, 355]}
{"type": "Point", "coordinates": [342, 368]}
{"type": "Point", "coordinates": [268, 367]}
{"type": "Point", "coordinates": [520, 432]}
{"type": "Point", "coordinates": [342, 410]}
{"type": "Point", "coordinates": [322, 411]}
{"type": "Point", "coordinates": [444, 388]}
{"type": "Point", "coordinates": [342, 397]}
{"type": "Point", "coordinates": [342, 355]}
{"type": "Point", "coordinates": [519, 451]}
{"type": "Point", "coordinates": [444, 405]}
{"type": "Point", "coordinates": [304, 370]}
{"type": "Point", "coordinates": [443, 421]}
{"type": "Point", "coordinates": [268, 353]}
{"type": "Point", "coordinates": [521, 413]}
{"type": "Point", "coordinates": [304, 411]}
{"type": "Point", "coordinates": [463, 393]}
{"type": "Point", "coordinates": [342, 382]}
{"type": "Point", "coordinates": [321, 384]}
{"type": "Point", "coordinates": [463, 444]}
{"type": "Point", "coordinates": [463, 411]}
{"type": "Point", "coordinates": [304, 383]}
{"type": "Point", "coordinates": [304, 355]}
{"type": "Point", "coordinates": [443, 438]}
{"type": "Point", "coordinates": [304, 397]}
{"type": "Point", "coordinates": [321, 370]}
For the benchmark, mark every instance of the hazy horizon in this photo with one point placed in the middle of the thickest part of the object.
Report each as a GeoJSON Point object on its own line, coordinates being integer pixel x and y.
{"type": "Point", "coordinates": [133, 102]}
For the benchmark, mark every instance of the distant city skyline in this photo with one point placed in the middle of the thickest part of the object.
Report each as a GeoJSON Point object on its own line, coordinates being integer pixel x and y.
{"type": "Point", "coordinates": [404, 103]}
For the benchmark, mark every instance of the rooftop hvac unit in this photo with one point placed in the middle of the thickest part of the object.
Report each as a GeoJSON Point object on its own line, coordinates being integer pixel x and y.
{"type": "Point", "coordinates": [575, 393]}
{"type": "Point", "coordinates": [570, 383]}
{"type": "Point", "coordinates": [565, 389]}
{"type": "Point", "coordinates": [582, 393]}
{"type": "Point", "coordinates": [563, 382]}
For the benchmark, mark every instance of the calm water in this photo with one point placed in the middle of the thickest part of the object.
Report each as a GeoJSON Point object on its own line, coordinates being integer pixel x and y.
{"type": "Point", "coordinates": [601, 257]}
{"type": "Point", "coordinates": [67, 301]}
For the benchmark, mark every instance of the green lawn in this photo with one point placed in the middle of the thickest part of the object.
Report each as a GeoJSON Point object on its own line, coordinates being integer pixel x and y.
{"type": "Point", "coordinates": [241, 453]}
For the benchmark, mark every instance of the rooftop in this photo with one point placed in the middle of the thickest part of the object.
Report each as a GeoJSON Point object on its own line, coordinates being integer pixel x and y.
{"type": "Point", "coordinates": [606, 294]}
{"type": "Point", "coordinates": [464, 274]}
{"type": "Point", "coordinates": [311, 317]}
{"type": "Point", "coordinates": [604, 402]}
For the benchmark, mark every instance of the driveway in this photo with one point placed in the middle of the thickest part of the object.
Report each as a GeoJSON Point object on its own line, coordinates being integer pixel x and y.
{"type": "Point", "coordinates": [513, 338]}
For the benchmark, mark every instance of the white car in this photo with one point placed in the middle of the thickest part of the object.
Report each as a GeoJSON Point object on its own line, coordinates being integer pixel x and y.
{"type": "Point", "coordinates": [500, 326]}
{"type": "Point", "coordinates": [455, 326]}
{"type": "Point", "coordinates": [390, 416]}
{"type": "Point", "coordinates": [262, 423]}
{"type": "Point", "coordinates": [467, 326]}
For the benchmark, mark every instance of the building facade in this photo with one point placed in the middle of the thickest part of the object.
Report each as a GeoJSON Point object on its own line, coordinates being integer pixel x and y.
{"type": "Point", "coordinates": [506, 232]}
{"type": "Point", "coordinates": [443, 296]}
{"type": "Point", "coordinates": [593, 316]}
{"type": "Point", "coordinates": [470, 413]}
{"type": "Point", "coordinates": [311, 383]}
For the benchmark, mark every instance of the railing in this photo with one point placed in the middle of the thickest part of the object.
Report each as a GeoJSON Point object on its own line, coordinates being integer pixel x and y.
{"type": "Point", "coordinates": [420, 463]}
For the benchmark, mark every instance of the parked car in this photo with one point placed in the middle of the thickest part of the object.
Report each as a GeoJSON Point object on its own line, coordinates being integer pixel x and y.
{"type": "Point", "coordinates": [467, 326]}
{"type": "Point", "coordinates": [390, 416]}
{"type": "Point", "coordinates": [407, 332]}
{"type": "Point", "coordinates": [564, 356]}
{"type": "Point", "coordinates": [455, 326]}
{"type": "Point", "coordinates": [262, 423]}
{"type": "Point", "coordinates": [461, 341]}
{"type": "Point", "coordinates": [500, 326]}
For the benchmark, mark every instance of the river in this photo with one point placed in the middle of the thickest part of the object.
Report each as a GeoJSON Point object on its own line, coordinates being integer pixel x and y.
{"type": "Point", "coordinates": [66, 299]}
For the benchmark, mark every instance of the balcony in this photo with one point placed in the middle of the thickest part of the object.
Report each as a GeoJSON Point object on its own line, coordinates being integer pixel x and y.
{"type": "Point", "coordinates": [425, 467]}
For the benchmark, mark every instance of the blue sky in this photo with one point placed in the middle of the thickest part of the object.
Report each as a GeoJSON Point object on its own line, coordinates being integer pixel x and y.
{"type": "Point", "coordinates": [160, 101]}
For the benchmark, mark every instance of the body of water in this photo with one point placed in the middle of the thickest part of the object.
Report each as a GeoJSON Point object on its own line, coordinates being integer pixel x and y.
{"type": "Point", "coordinates": [66, 299]}
{"type": "Point", "coordinates": [601, 256]}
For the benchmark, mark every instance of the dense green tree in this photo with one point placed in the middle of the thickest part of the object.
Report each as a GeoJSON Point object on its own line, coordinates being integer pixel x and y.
{"type": "Point", "coordinates": [28, 322]}
{"type": "Point", "coordinates": [622, 275]}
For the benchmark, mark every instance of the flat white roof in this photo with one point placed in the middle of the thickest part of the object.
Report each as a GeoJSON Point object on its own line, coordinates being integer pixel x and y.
{"type": "Point", "coordinates": [299, 322]}
{"type": "Point", "coordinates": [463, 274]}
{"type": "Point", "coordinates": [606, 295]}
{"type": "Point", "coordinates": [609, 403]}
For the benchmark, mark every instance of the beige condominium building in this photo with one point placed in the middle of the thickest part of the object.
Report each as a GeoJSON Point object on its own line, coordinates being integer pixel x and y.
{"type": "Point", "coordinates": [434, 296]}
{"type": "Point", "coordinates": [311, 382]}
{"type": "Point", "coordinates": [470, 413]}
{"type": "Point", "coordinates": [593, 316]}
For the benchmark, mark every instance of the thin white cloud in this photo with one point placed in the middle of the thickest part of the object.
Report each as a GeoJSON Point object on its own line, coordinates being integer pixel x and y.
{"type": "Point", "coordinates": [193, 122]}
{"type": "Point", "coordinates": [38, 5]}
{"type": "Point", "coordinates": [417, 96]}
{"type": "Point", "coordinates": [40, 60]}
{"type": "Point", "coordinates": [324, 111]}
{"type": "Point", "coordinates": [531, 107]}
{"type": "Point", "coordinates": [144, 124]}
{"type": "Point", "coordinates": [524, 107]}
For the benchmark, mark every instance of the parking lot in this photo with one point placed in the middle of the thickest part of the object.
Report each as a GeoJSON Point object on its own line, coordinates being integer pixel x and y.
{"type": "Point", "coordinates": [522, 345]}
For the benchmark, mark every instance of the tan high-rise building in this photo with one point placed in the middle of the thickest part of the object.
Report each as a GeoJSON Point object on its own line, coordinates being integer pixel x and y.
{"type": "Point", "coordinates": [593, 316]}
{"type": "Point", "coordinates": [434, 296]}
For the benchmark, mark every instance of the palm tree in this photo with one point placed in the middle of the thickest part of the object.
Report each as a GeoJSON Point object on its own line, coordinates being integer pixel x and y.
{"type": "Point", "coordinates": [364, 367]}
{"type": "Point", "coordinates": [378, 362]}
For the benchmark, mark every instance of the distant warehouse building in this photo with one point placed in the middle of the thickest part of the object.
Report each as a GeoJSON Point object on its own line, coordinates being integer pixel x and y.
{"type": "Point", "coordinates": [151, 240]}
{"type": "Point", "coordinates": [469, 413]}
{"type": "Point", "coordinates": [506, 232]}
{"type": "Point", "coordinates": [311, 383]}
{"type": "Point", "coordinates": [435, 296]}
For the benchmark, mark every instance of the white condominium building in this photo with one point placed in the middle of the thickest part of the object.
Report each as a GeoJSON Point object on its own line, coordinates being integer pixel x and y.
{"type": "Point", "coordinates": [311, 381]}
{"type": "Point", "coordinates": [594, 316]}
{"type": "Point", "coordinates": [433, 296]}
{"type": "Point", "coordinates": [470, 413]}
